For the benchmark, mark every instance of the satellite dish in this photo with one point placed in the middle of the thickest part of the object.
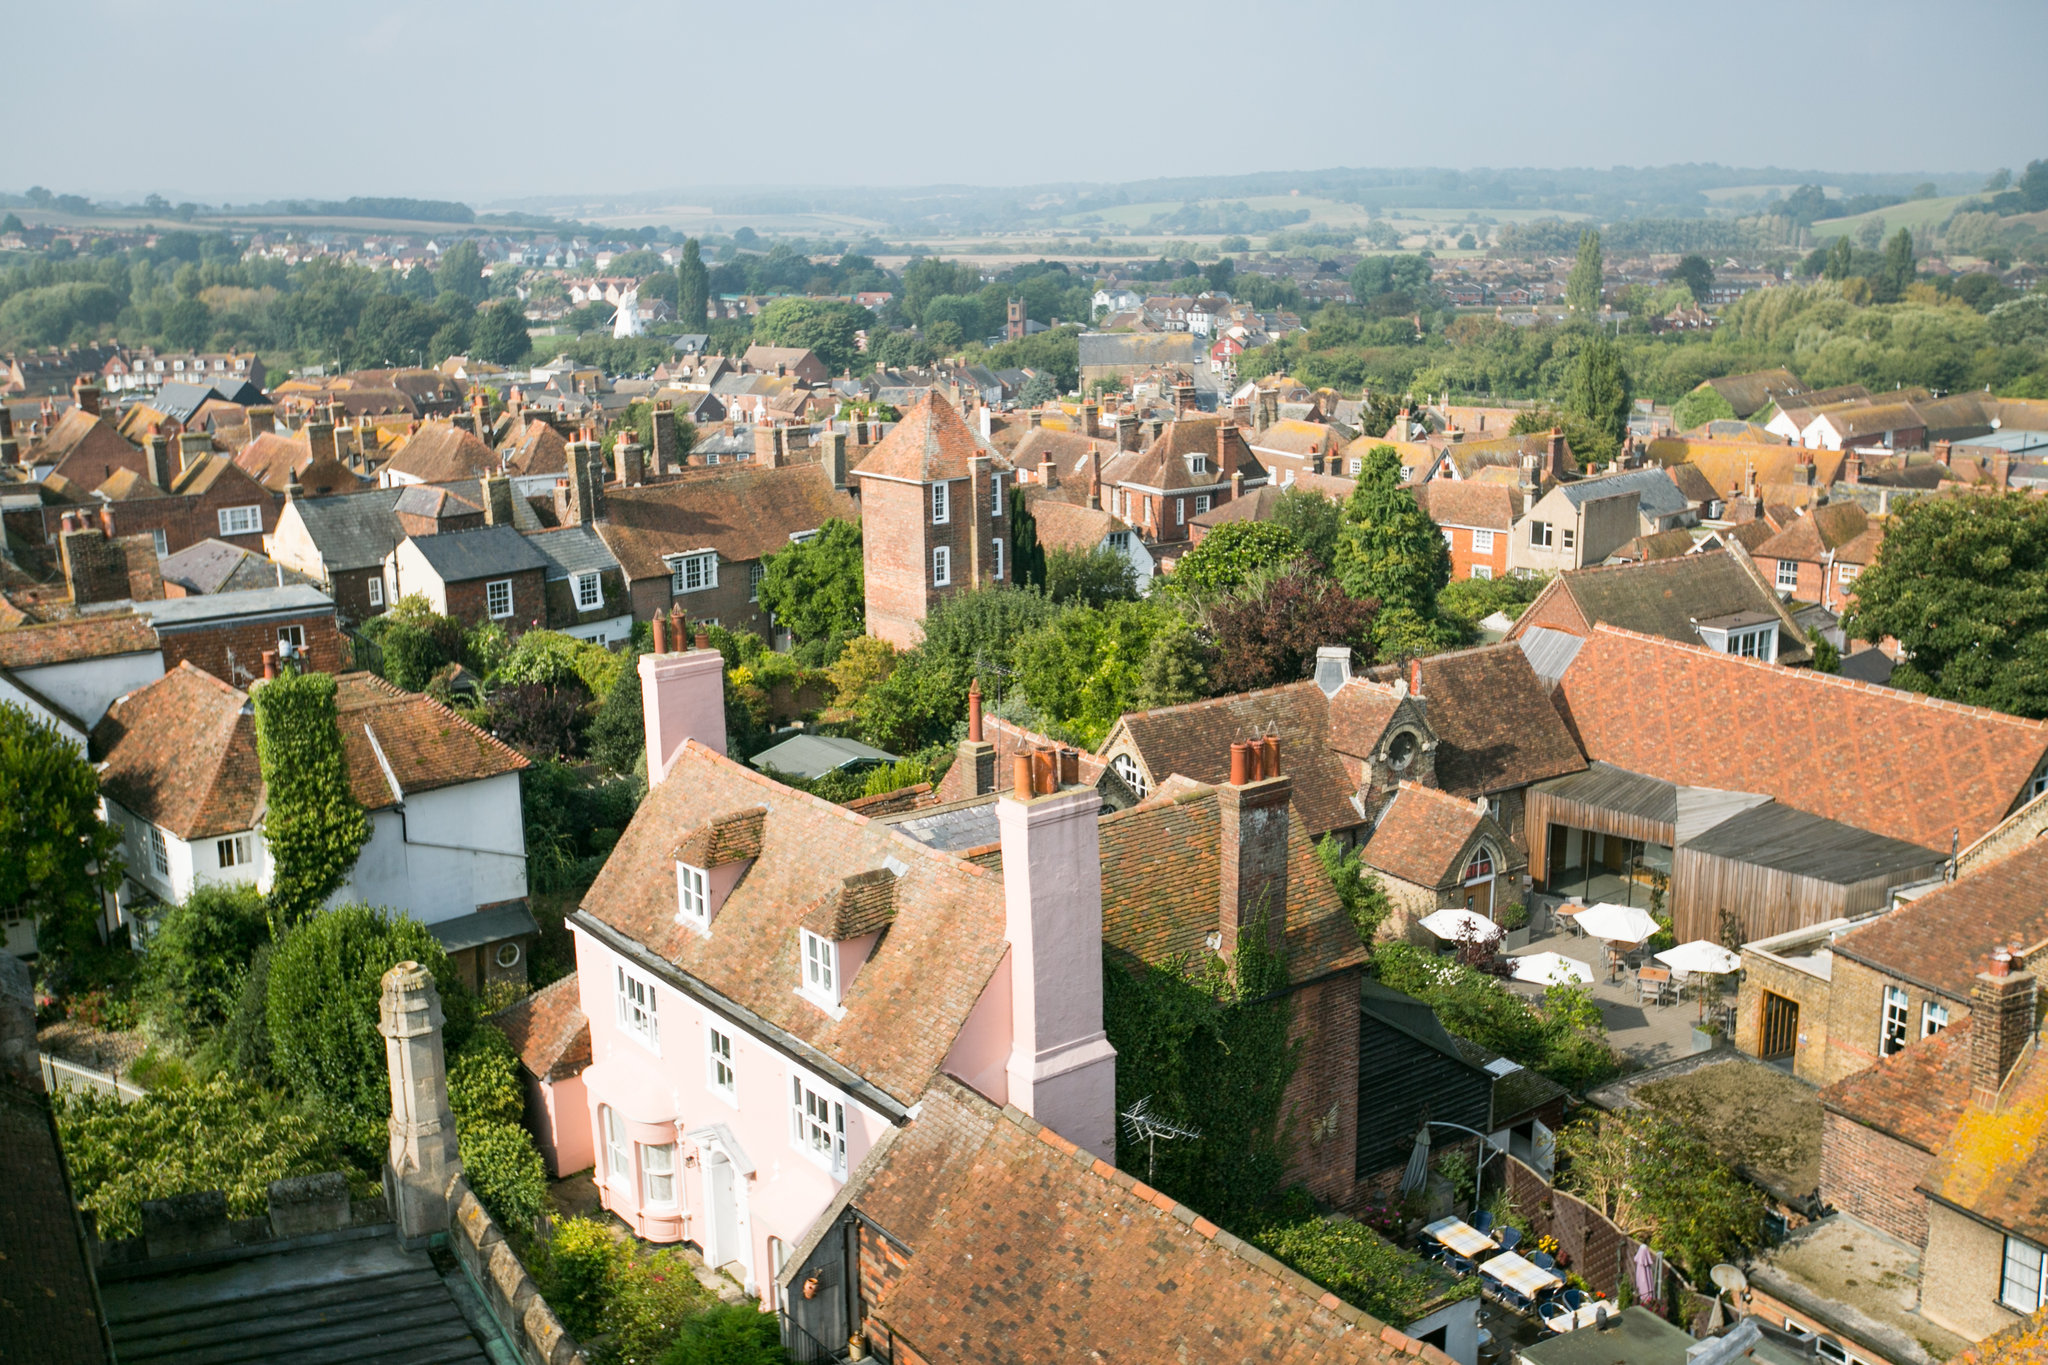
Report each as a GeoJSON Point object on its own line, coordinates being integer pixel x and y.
{"type": "Point", "coordinates": [1728, 1278]}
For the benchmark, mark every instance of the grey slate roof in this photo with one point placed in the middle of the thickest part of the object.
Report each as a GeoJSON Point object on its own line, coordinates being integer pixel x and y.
{"type": "Point", "coordinates": [1550, 652]}
{"type": "Point", "coordinates": [180, 400]}
{"type": "Point", "coordinates": [1142, 348]}
{"type": "Point", "coordinates": [1655, 492]}
{"type": "Point", "coordinates": [353, 530]}
{"type": "Point", "coordinates": [463, 555]}
{"type": "Point", "coordinates": [173, 612]}
{"type": "Point", "coordinates": [1793, 841]}
{"type": "Point", "coordinates": [573, 549]}
{"type": "Point", "coordinates": [216, 566]}
{"type": "Point", "coordinates": [1665, 597]}
{"type": "Point", "coordinates": [485, 926]}
{"type": "Point", "coordinates": [810, 756]}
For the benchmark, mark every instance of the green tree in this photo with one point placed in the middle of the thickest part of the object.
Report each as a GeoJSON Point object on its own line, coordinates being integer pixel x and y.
{"type": "Point", "coordinates": [728, 1334]}
{"type": "Point", "coordinates": [1177, 671]}
{"type": "Point", "coordinates": [461, 272]}
{"type": "Point", "coordinates": [1599, 390]}
{"type": "Point", "coordinates": [199, 958]}
{"type": "Point", "coordinates": [1391, 552]}
{"type": "Point", "coordinates": [1890, 285]}
{"type": "Point", "coordinates": [1090, 577]}
{"type": "Point", "coordinates": [693, 286]}
{"type": "Point", "coordinates": [1267, 632]}
{"type": "Point", "coordinates": [1038, 391]}
{"type": "Point", "coordinates": [313, 825]}
{"type": "Point", "coordinates": [1703, 405]}
{"type": "Point", "coordinates": [1806, 205]}
{"type": "Point", "coordinates": [816, 588]}
{"type": "Point", "coordinates": [500, 335]}
{"type": "Point", "coordinates": [1582, 287]}
{"type": "Point", "coordinates": [1359, 889]}
{"type": "Point", "coordinates": [1313, 520]}
{"type": "Point", "coordinates": [1027, 557]}
{"type": "Point", "coordinates": [1085, 667]}
{"type": "Point", "coordinates": [1962, 585]}
{"type": "Point", "coordinates": [1229, 555]}
{"type": "Point", "coordinates": [830, 330]}
{"type": "Point", "coordinates": [58, 851]}
{"type": "Point", "coordinates": [1841, 259]}
{"type": "Point", "coordinates": [1696, 273]}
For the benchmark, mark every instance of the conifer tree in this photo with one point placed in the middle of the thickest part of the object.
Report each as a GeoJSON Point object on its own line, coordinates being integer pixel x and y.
{"type": "Point", "coordinates": [1582, 290]}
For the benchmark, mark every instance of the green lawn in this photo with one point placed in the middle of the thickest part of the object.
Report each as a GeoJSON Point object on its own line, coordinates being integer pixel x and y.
{"type": "Point", "coordinates": [1914, 213]}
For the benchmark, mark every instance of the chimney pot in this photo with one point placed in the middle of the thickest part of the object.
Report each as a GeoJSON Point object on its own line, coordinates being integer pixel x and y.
{"type": "Point", "coordinates": [1070, 766]}
{"type": "Point", "coordinates": [703, 639]}
{"type": "Point", "coordinates": [1020, 777]}
{"type": "Point", "coordinates": [974, 712]}
{"type": "Point", "coordinates": [1240, 763]}
{"type": "Point", "coordinates": [269, 664]}
{"type": "Point", "coordinates": [660, 634]}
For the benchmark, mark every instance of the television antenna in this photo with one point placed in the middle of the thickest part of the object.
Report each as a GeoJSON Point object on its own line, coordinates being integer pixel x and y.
{"type": "Point", "coordinates": [1145, 1126]}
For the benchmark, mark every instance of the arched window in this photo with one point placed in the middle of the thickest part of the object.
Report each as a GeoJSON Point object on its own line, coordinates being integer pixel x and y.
{"type": "Point", "coordinates": [1402, 751]}
{"type": "Point", "coordinates": [1481, 866]}
{"type": "Point", "coordinates": [1134, 777]}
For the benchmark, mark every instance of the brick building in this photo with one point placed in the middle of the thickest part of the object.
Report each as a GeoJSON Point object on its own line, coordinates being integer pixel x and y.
{"type": "Point", "coordinates": [341, 543]}
{"type": "Point", "coordinates": [934, 517]}
{"type": "Point", "coordinates": [487, 574]}
{"type": "Point", "coordinates": [227, 634]}
{"type": "Point", "coordinates": [1722, 599]}
{"type": "Point", "coordinates": [1818, 556]}
{"type": "Point", "coordinates": [1190, 465]}
{"type": "Point", "coordinates": [210, 498]}
{"type": "Point", "coordinates": [1476, 520]}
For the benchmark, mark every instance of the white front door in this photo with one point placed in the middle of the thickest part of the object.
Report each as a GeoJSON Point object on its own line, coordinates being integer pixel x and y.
{"type": "Point", "coordinates": [727, 1242]}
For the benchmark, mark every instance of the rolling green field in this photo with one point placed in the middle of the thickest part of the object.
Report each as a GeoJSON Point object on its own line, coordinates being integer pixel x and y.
{"type": "Point", "coordinates": [1914, 213]}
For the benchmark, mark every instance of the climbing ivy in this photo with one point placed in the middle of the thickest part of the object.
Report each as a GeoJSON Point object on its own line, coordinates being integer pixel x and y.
{"type": "Point", "coordinates": [1205, 1040]}
{"type": "Point", "coordinates": [314, 826]}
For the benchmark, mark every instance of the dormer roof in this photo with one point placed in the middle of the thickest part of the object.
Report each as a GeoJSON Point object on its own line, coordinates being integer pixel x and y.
{"type": "Point", "coordinates": [732, 838]}
{"type": "Point", "coordinates": [861, 904]}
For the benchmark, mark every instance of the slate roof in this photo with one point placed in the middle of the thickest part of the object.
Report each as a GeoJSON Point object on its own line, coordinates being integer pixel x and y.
{"type": "Point", "coordinates": [1786, 839]}
{"type": "Point", "coordinates": [1943, 939]}
{"type": "Point", "coordinates": [1024, 1248]}
{"type": "Point", "coordinates": [1664, 597]}
{"type": "Point", "coordinates": [811, 756]}
{"type": "Point", "coordinates": [932, 442]}
{"type": "Point", "coordinates": [353, 530]}
{"type": "Point", "coordinates": [63, 642]}
{"type": "Point", "coordinates": [902, 1010]}
{"type": "Point", "coordinates": [1495, 726]}
{"type": "Point", "coordinates": [1915, 1095]}
{"type": "Point", "coordinates": [427, 500]}
{"type": "Point", "coordinates": [1895, 763]}
{"type": "Point", "coordinates": [1143, 348]}
{"type": "Point", "coordinates": [1421, 835]}
{"type": "Point", "coordinates": [460, 556]}
{"type": "Point", "coordinates": [1995, 1163]}
{"type": "Point", "coordinates": [1656, 495]}
{"type": "Point", "coordinates": [175, 612]}
{"type": "Point", "coordinates": [548, 1031]}
{"type": "Point", "coordinates": [216, 566]}
{"type": "Point", "coordinates": [573, 549]}
{"type": "Point", "coordinates": [743, 512]}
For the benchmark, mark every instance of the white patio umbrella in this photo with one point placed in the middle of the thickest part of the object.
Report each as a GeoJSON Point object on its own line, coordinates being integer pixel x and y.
{"type": "Point", "coordinates": [1617, 923]}
{"type": "Point", "coordinates": [1551, 969]}
{"type": "Point", "coordinates": [1700, 955]}
{"type": "Point", "coordinates": [1456, 924]}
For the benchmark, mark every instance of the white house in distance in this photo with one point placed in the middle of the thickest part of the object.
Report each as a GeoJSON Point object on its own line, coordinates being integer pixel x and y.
{"type": "Point", "coordinates": [181, 781]}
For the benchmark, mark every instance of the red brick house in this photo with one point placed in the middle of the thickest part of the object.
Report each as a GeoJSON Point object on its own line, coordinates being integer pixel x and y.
{"type": "Point", "coordinates": [227, 633]}
{"type": "Point", "coordinates": [1818, 556]}
{"type": "Point", "coordinates": [211, 499]}
{"type": "Point", "coordinates": [1475, 519]}
{"type": "Point", "coordinates": [487, 574]}
{"type": "Point", "coordinates": [1190, 466]}
{"type": "Point", "coordinates": [1721, 599]}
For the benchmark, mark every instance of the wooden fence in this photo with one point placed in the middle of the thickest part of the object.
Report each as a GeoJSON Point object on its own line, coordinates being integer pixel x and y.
{"type": "Point", "coordinates": [1588, 1242]}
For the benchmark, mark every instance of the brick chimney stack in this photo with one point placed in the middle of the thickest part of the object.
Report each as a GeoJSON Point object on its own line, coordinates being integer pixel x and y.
{"type": "Point", "coordinates": [1091, 419]}
{"type": "Point", "coordinates": [2001, 1022]}
{"type": "Point", "coordinates": [1554, 453]}
{"type": "Point", "coordinates": [156, 458]}
{"type": "Point", "coordinates": [262, 420]}
{"type": "Point", "coordinates": [832, 455]}
{"type": "Point", "coordinates": [10, 449]}
{"type": "Point", "coordinates": [666, 459]}
{"type": "Point", "coordinates": [1126, 431]}
{"type": "Point", "coordinates": [1852, 469]}
{"type": "Point", "coordinates": [1049, 473]}
{"type": "Point", "coordinates": [632, 464]}
{"type": "Point", "coordinates": [320, 438]}
{"type": "Point", "coordinates": [85, 395]}
{"type": "Point", "coordinates": [193, 446]}
{"type": "Point", "coordinates": [976, 752]}
{"type": "Point", "coordinates": [767, 446]}
{"type": "Point", "coordinates": [1253, 815]}
{"type": "Point", "coordinates": [497, 491]}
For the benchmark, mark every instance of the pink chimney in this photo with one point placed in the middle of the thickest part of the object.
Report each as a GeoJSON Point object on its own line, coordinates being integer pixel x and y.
{"type": "Point", "coordinates": [682, 697]}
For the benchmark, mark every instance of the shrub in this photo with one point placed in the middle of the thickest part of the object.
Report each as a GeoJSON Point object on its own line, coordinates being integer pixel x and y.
{"type": "Point", "coordinates": [1560, 1041]}
{"type": "Point", "coordinates": [577, 1270]}
{"type": "Point", "coordinates": [486, 647]}
{"type": "Point", "coordinates": [313, 825]}
{"type": "Point", "coordinates": [1358, 1266]}
{"type": "Point", "coordinates": [483, 1079]}
{"type": "Point", "coordinates": [651, 1298]}
{"type": "Point", "coordinates": [199, 957]}
{"type": "Point", "coordinates": [542, 656]}
{"type": "Point", "coordinates": [246, 1039]}
{"type": "Point", "coordinates": [728, 1334]}
{"type": "Point", "coordinates": [504, 1168]}
{"type": "Point", "coordinates": [542, 720]}
{"type": "Point", "coordinates": [617, 734]}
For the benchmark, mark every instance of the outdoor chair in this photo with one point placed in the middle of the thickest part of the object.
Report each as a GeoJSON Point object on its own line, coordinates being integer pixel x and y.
{"type": "Point", "coordinates": [1553, 1314]}
{"type": "Point", "coordinates": [1508, 1238]}
{"type": "Point", "coordinates": [1482, 1222]}
{"type": "Point", "coordinates": [1649, 992]}
{"type": "Point", "coordinates": [1457, 1264]}
{"type": "Point", "coordinates": [1542, 1260]}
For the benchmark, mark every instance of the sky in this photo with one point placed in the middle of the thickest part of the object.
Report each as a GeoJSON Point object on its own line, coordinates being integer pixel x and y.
{"type": "Point", "coordinates": [454, 99]}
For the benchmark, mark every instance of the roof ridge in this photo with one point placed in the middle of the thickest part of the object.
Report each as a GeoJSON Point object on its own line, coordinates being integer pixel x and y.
{"type": "Point", "coordinates": [1227, 697]}
{"type": "Point", "coordinates": [1833, 680]}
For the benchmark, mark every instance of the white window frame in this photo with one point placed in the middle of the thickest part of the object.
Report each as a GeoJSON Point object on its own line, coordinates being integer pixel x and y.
{"type": "Point", "coordinates": [376, 590]}
{"type": "Point", "coordinates": [1933, 1018]}
{"type": "Point", "coordinates": [1180, 511]}
{"type": "Point", "coordinates": [1571, 536]}
{"type": "Point", "coordinates": [1846, 573]}
{"type": "Point", "coordinates": [996, 544]}
{"type": "Point", "coordinates": [1201, 503]}
{"type": "Point", "coordinates": [942, 567]}
{"type": "Point", "coordinates": [1482, 571]}
{"type": "Point", "coordinates": [756, 571]}
{"type": "Point", "coordinates": [1482, 542]}
{"type": "Point", "coordinates": [1127, 768]}
{"type": "Point", "coordinates": [638, 1005]}
{"type": "Point", "coordinates": [589, 589]}
{"type": "Point", "coordinates": [618, 1153]}
{"type": "Point", "coordinates": [491, 598]}
{"type": "Point", "coordinates": [1891, 1033]}
{"type": "Point", "coordinates": [159, 852]}
{"type": "Point", "coordinates": [1355, 465]}
{"type": "Point", "coordinates": [295, 636]}
{"type": "Point", "coordinates": [820, 967]}
{"type": "Point", "coordinates": [657, 1163]}
{"type": "Point", "coordinates": [160, 542]}
{"type": "Point", "coordinates": [721, 1076]}
{"type": "Point", "coordinates": [696, 572]}
{"type": "Point", "coordinates": [942, 504]}
{"type": "Point", "coordinates": [237, 850]}
{"type": "Point", "coordinates": [1450, 537]}
{"type": "Point", "coordinates": [231, 520]}
{"type": "Point", "coordinates": [817, 1122]}
{"type": "Point", "coordinates": [2023, 1277]}
{"type": "Point", "coordinates": [1788, 575]}
{"type": "Point", "coordinates": [995, 495]}
{"type": "Point", "coordinates": [1540, 537]}
{"type": "Point", "coordinates": [693, 896]}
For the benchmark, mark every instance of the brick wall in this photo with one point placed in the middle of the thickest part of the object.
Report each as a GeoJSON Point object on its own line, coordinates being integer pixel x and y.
{"type": "Point", "coordinates": [1855, 1015]}
{"type": "Point", "coordinates": [185, 521]}
{"type": "Point", "coordinates": [233, 650]}
{"type": "Point", "coordinates": [1961, 1269]}
{"type": "Point", "coordinates": [1759, 975]}
{"type": "Point", "coordinates": [1871, 1176]}
{"type": "Point", "coordinates": [2021, 828]}
{"type": "Point", "coordinates": [1320, 1111]}
{"type": "Point", "coordinates": [882, 1264]}
{"type": "Point", "coordinates": [468, 602]}
{"type": "Point", "coordinates": [896, 558]}
{"type": "Point", "coordinates": [1556, 611]}
{"type": "Point", "coordinates": [1465, 555]}
{"type": "Point", "coordinates": [350, 589]}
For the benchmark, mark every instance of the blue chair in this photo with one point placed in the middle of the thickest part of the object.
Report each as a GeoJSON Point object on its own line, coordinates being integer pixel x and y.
{"type": "Point", "coordinates": [1542, 1260]}
{"type": "Point", "coordinates": [1458, 1264]}
{"type": "Point", "coordinates": [1553, 1314]}
{"type": "Point", "coordinates": [1482, 1222]}
{"type": "Point", "coordinates": [1510, 1238]}
{"type": "Point", "coordinates": [1574, 1299]}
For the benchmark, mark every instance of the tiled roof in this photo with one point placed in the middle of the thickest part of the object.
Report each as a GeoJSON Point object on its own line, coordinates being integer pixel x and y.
{"type": "Point", "coordinates": [128, 485]}
{"type": "Point", "coordinates": [1461, 502]}
{"type": "Point", "coordinates": [1995, 1162]}
{"type": "Point", "coordinates": [269, 458]}
{"type": "Point", "coordinates": [1292, 437]}
{"type": "Point", "coordinates": [1194, 741]}
{"type": "Point", "coordinates": [743, 512]}
{"type": "Point", "coordinates": [908, 1002]}
{"type": "Point", "coordinates": [1915, 1095]}
{"type": "Point", "coordinates": [1164, 463]}
{"type": "Point", "coordinates": [1069, 451]}
{"type": "Point", "coordinates": [1143, 348]}
{"type": "Point", "coordinates": [1841, 527]}
{"type": "Point", "coordinates": [181, 754]}
{"type": "Point", "coordinates": [1665, 597]}
{"type": "Point", "coordinates": [211, 470]}
{"type": "Point", "coordinates": [83, 448]}
{"type": "Point", "coordinates": [1943, 939]}
{"type": "Point", "coordinates": [535, 447]}
{"type": "Point", "coordinates": [1663, 545]}
{"type": "Point", "coordinates": [1748, 392]}
{"type": "Point", "coordinates": [548, 1030]}
{"type": "Point", "coordinates": [426, 744]}
{"type": "Point", "coordinates": [441, 451]}
{"type": "Point", "coordinates": [1494, 723]}
{"type": "Point", "coordinates": [63, 642]}
{"type": "Point", "coordinates": [1421, 834]}
{"type": "Point", "coordinates": [1023, 1247]}
{"type": "Point", "coordinates": [1891, 762]}
{"type": "Point", "coordinates": [1162, 887]}
{"type": "Point", "coordinates": [1069, 526]}
{"type": "Point", "coordinates": [1728, 464]}
{"type": "Point", "coordinates": [932, 442]}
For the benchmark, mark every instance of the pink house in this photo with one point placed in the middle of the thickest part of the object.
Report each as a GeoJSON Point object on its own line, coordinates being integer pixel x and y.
{"type": "Point", "coordinates": [771, 983]}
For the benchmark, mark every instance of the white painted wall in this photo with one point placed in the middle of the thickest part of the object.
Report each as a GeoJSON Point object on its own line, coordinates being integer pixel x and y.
{"type": "Point", "coordinates": [87, 687]}
{"type": "Point", "coordinates": [451, 850]}
{"type": "Point", "coordinates": [10, 695]}
{"type": "Point", "coordinates": [610, 631]}
{"type": "Point", "coordinates": [406, 571]}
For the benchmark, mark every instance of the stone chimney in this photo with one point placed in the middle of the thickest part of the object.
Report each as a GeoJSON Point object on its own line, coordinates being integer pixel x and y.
{"type": "Point", "coordinates": [1127, 431]}
{"type": "Point", "coordinates": [320, 438]}
{"type": "Point", "coordinates": [85, 395]}
{"type": "Point", "coordinates": [193, 446]}
{"type": "Point", "coordinates": [832, 455]}
{"type": "Point", "coordinates": [1530, 479]}
{"type": "Point", "coordinates": [423, 1160]}
{"type": "Point", "coordinates": [631, 461]}
{"type": "Point", "coordinates": [497, 491]}
{"type": "Point", "coordinates": [262, 420]}
{"type": "Point", "coordinates": [666, 459]}
{"type": "Point", "coordinates": [682, 697]}
{"type": "Point", "coordinates": [2001, 1022]}
{"type": "Point", "coordinates": [1061, 1068]}
{"type": "Point", "coordinates": [156, 459]}
{"type": "Point", "coordinates": [1253, 819]}
{"type": "Point", "coordinates": [1269, 408]}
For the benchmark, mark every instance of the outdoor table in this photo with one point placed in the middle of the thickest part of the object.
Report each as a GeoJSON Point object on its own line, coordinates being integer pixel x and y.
{"type": "Point", "coordinates": [1657, 977]}
{"type": "Point", "coordinates": [1568, 915]}
{"type": "Point", "coordinates": [1461, 1237]}
{"type": "Point", "coordinates": [1520, 1274]}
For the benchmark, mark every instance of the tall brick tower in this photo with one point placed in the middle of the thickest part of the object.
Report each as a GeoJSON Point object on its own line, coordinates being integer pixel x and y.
{"type": "Point", "coordinates": [1014, 331]}
{"type": "Point", "coordinates": [934, 518]}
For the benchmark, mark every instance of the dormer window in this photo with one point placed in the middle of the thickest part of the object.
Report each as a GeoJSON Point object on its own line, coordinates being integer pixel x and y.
{"type": "Point", "coordinates": [821, 968]}
{"type": "Point", "coordinates": [693, 900]}
{"type": "Point", "coordinates": [1198, 464]}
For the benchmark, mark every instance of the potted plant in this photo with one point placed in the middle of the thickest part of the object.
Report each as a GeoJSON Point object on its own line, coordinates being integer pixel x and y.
{"type": "Point", "coordinates": [1514, 923]}
{"type": "Point", "coordinates": [1706, 1036]}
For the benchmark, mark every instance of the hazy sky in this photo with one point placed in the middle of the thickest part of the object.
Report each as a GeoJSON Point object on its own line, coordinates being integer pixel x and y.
{"type": "Point", "coordinates": [453, 99]}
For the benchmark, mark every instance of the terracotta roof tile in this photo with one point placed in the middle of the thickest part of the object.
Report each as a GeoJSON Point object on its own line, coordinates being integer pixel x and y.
{"type": "Point", "coordinates": [1943, 939]}
{"type": "Point", "coordinates": [1421, 833]}
{"type": "Point", "coordinates": [426, 744]}
{"type": "Point", "coordinates": [1164, 463]}
{"type": "Point", "coordinates": [744, 512]}
{"type": "Point", "coordinates": [1460, 502]}
{"type": "Point", "coordinates": [440, 452]}
{"type": "Point", "coordinates": [548, 1030]}
{"type": "Point", "coordinates": [1728, 464]}
{"type": "Point", "coordinates": [93, 637]}
{"type": "Point", "coordinates": [181, 754]}
{"type": "Point", "coordinates": [1893, 763]}
{"type": "Point", "coordinates": [1995, 1161]}
{"type": "Point", "coordinates": [1834, 526]}
{"type": "Point", "coordinates": [1915, 1095]}
{"type": "Point", "coordinates": [932, 442]}
{"type": "Point", "coordinates": [1494, 722]}
{"type": "Point", "coordinates": [1066, 526]}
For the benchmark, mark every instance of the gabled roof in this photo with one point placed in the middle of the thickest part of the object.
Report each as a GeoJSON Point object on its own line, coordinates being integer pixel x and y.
{"type": "Point", "coordinates": [215, 470]}
{"type": "Point", "coordinates": [1842, 528]}
{"type": "Point", "coordinates": [1164, 463]}
{"type": "Point", "coordinates": [1995, 1162]}
{"type": "Point", "coordinates": [129, 485]}
{"type": "Point", "coordinates": [902, 1011]}
{"type": "Point", "coordinates": [440, 452]}
{"type": "Point", "coordinates": [1494, 723]}
{"type": "Point", "coordinates": [210, 566]}
{"type": "Point", "coordinates": [1022, 1247]}
{"type": "Point", "coordinates": [1294, 437]}
{"type": "Point", "coordinates": [535, 447]}
{"type": "Point", "coordinates": [1748, 392]}
{"type": "Point", "coordinates": [1728, 464]}
{"type": "Point", "coordinates": [1462, 502]}
{"type": "Point", "coordinates": [1891, 762]}
{"type": "Point", "coordinates": [743, 512]}
{"type": "Point", "coordinates": [1070, 526]}
{"type": "Point", "coordinates": [461, 556]}
{"type": "Point", "coordinates": [573, 549]}
{"type": "Point", "coordinates": [931, 443]}
{"type": "Point", "coordinates": [1655, 494]}
{"type": "Point", "coordinates": [1915, 1095]}
{"type": "Point", "coordinates": [1422, 834]}
{"type": "Point", "coordinates": [269, 458]}
{"type": "Point", "coordinates": [1943, 939]}
{"type": "Point", "coordinates": [181, 754]}
{"type": "Point", "coordinates": [548, 1031]}
{"type": "Point", "coordinates": [83, 448]}
{"type": "Point", "coordinates": [63, 642]}
{"type": "Point", "coordinates": [1142, 348]}
{"type": "Point", "coordinates": [1666, 597]}
{"type": "Point", "coordinates": [352, 530]}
